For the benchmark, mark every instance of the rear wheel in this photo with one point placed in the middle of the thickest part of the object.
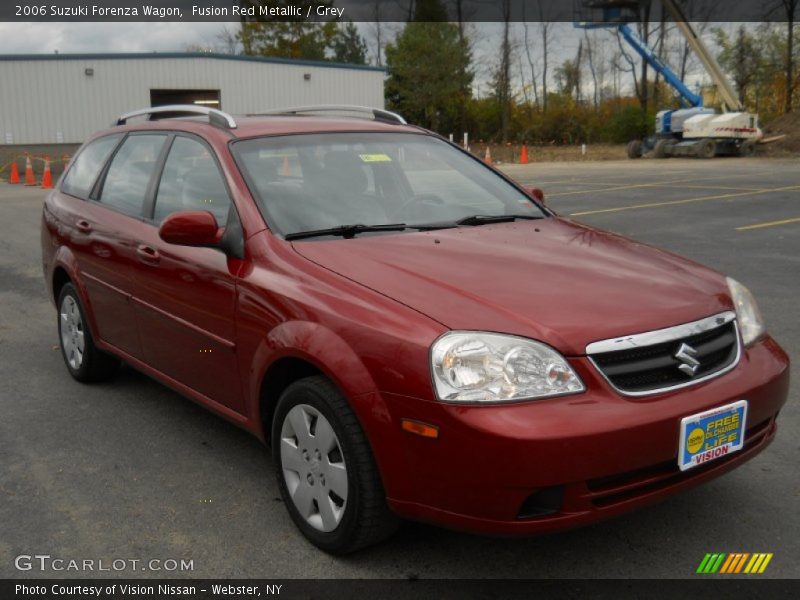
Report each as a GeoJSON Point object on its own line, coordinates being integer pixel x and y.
{"type": "Point", "coordinates": [747, 148]}
{"type": "Point", "coordinates": [635, 149]}
{"type": "Point", "coordinates": [707, 149]}
{"type": "Point", "coordinates": [84, 361]}
{"type": "Point", "coordinates": [326, 472]}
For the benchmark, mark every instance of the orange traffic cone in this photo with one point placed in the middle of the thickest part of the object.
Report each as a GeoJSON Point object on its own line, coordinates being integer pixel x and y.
{"type": "Point", "coordinates": [14, 177]}
{"type": "Point", "coordinates": [286, 171]}
{"type": "Point", "coordinates": [29, 178]}
{"type": "Point", "coordinates": [487, 158]}
{"type": "Point", "coordinates": [47, 176]}
{"type": "Point", "coordinates": [523, 155]}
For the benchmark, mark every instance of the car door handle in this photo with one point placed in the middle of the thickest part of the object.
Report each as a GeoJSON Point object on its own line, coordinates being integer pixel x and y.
{"type": "Point", "coordinates": [148, 255]}
{"type": "Point", "coordinates": [83, 226]}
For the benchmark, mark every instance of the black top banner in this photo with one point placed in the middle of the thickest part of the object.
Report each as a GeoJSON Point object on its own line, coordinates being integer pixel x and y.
{"type": "Point", "coordinates": [584, 11]}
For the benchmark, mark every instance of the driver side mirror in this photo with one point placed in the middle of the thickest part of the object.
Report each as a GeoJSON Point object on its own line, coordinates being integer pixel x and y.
{"type": "Point", "coordinates": [191, 228]}
{"type": "Point", "coordinates": [535, 192]}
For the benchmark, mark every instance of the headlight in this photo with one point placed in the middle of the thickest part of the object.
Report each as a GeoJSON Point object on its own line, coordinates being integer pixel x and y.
{"type": "Point", "coordinates": [488, 367]}
{"type": "Point", "coordinates": [751, 323]}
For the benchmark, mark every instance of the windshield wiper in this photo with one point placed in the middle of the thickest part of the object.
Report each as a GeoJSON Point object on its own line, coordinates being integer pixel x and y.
{"type": "Point", "coordinates": [486, 219]}
{"type": "Point", "coordinates": [346, 231]}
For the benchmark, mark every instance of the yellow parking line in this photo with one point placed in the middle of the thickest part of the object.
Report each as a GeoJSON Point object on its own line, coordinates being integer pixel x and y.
{"type": "Point", "coordinates": [684, 201]}
{"type": "Point", "coordinates": [668, 182]}
{"type": "Point", "coordinates": [610, 189]}
{"type": "Point", "coordinates": [709, 187]}
{"type": "Point", "coordinates": [768, 224]}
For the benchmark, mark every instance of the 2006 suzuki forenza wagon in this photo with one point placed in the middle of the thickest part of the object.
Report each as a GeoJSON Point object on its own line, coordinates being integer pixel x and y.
{"type": "Point", "coordinates": [414, 334]}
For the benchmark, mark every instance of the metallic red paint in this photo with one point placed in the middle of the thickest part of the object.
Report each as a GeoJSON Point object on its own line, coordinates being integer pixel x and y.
{"type": "Point", "coordinates": [190, 228]}
{"type": "Point", "coordinates": [365, 312]}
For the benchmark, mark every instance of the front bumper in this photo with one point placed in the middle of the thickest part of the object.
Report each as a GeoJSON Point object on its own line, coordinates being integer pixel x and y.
{"type": "Point", "coordinates": [592, 455]}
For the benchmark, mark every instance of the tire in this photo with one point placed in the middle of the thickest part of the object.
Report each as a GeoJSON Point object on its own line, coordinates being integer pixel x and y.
{"type": "Point", "coordinates": [747, 149]}
{"type": "Point", "coordinates": [315, 435]}
{"type": "Point", "coordinates": [83, 359]}
{"type": "Point", "coordinates": [660, 149]}
{"type": "Point", "coordinates": [707, 148]}
{"type": "Point", "coordinates": [635, 149]}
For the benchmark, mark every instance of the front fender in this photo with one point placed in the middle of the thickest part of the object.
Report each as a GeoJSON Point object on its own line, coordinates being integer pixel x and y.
{"type": "Point", "coordinates": [336, 359]}
{"type": "Point", "coordinates": [320, 347]}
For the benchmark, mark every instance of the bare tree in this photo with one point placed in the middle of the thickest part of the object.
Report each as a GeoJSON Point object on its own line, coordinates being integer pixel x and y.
{"type": "Point", "coordinates": [377, 32]}
{"type": "Point", "coordinates": [590, 61]}
{"type": "Point", "coordinates": [788, 9]}
{"type": "Point", "coordinates": [531, 63]}
{"type": "Point", "coordinates": [644, 33]}
{"type": "Point", "coordinates": [578, 63]}
{"type": "Point", "coordinates": [228, 41]}
{"type": "Point", "coordinates": [624, 63]}
{"type": "Point", "coordinates": [503, 75]}
{"type": "Point", "coordinates": [546, 35]}
{"type": "Point", "coordinates": [532, 67]}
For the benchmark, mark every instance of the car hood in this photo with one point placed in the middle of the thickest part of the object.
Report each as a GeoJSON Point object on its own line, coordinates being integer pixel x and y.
{"type": "Point", "coordinates": [554, 280]}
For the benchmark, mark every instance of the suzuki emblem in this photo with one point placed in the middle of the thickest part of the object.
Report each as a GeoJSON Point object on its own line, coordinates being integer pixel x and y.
{"type": "Point", "coordinates": [686, 354]}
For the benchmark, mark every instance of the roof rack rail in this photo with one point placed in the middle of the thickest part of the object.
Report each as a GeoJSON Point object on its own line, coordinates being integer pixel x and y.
{"type": "Point", "coordinates": [378, 114]}
{"type": "Point", "coordinates": [215, 117]}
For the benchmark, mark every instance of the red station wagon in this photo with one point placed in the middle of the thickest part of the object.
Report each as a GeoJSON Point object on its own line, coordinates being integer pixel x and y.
{"type": "Point", "coordinates": [414, 334]}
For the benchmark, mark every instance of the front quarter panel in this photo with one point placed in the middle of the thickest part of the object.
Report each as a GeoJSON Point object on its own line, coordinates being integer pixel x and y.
{"type": "Point", "coordinates": [364, 342]}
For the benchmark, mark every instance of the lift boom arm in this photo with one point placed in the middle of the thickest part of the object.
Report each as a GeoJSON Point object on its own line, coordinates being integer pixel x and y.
{"type": "Point", "coordinates": [730, 99]}
{"type": "Point", "coordinates": [652, 59]}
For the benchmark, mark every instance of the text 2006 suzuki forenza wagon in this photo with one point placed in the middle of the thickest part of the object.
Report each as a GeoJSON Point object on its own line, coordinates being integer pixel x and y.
{"type": "Point", "coordinates": [414, 334]}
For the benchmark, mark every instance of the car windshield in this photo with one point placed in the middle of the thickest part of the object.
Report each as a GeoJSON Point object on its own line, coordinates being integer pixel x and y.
{"type": "Point", "coordinates": [311, 182]}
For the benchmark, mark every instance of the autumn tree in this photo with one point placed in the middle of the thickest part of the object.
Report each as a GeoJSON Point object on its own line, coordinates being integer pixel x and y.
{"type": "Point", "coordinates": [298, 38]}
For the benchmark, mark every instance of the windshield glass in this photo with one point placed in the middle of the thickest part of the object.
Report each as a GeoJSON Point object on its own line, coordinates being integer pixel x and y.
{"type": "Point", "coordinates": [318, 181]}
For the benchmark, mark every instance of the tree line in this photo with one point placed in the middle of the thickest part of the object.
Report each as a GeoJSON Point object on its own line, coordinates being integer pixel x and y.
{"type": "Point", "coordinates": [528, 88]}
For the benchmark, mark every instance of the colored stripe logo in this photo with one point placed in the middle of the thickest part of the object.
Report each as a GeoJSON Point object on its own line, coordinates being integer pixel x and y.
{"type": "Point", "coordinates": [737, 562]}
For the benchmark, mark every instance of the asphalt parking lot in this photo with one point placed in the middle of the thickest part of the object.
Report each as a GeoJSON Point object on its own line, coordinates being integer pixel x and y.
{"type": "Point", "coordinates": [129, 469]}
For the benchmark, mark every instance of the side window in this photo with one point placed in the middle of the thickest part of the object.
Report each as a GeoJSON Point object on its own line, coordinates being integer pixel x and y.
{"type": "Point", "coordinates": [191, 181]}
{"type": "Point", "coordinates": [87, 166]}
{"type": "Point", "coordinates": [128, 176]}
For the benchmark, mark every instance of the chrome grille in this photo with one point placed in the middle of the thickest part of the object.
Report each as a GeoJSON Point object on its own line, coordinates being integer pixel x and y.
{"type": "Point", "coordinates": [670, 358]}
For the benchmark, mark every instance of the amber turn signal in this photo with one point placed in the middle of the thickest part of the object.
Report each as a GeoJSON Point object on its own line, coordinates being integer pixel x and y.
{"type": "Point", "coordinates": [420, 428]}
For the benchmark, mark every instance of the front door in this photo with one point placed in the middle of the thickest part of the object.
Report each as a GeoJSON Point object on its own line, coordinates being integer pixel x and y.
{"type": "Point", "coordinates": [185, 297]}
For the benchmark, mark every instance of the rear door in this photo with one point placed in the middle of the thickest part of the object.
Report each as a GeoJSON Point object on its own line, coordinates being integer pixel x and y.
{"type": "Point", "coordinates": [103, 230]}
{"type": "Point", "coordinates": [185, 297]}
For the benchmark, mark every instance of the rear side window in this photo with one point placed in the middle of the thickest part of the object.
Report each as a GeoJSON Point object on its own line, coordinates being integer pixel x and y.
{"type": "Point", "coordinates": [191, 181]}
{"type": "Point", "coordinates": [130, 172]}
{"type": "Point", "coordinates": [87, 166]}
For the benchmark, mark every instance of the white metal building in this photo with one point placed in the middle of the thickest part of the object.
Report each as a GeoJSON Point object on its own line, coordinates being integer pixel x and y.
{"type": "Point", "coordinates": [63, 98]}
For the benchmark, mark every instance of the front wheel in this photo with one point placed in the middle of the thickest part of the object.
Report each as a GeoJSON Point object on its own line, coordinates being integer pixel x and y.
{"type": "Point", "coordinates": [326, 472]}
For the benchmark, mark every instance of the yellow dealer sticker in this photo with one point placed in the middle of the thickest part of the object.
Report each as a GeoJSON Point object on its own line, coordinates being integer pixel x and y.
{"type": "Point", "coordinates": [368, 158]}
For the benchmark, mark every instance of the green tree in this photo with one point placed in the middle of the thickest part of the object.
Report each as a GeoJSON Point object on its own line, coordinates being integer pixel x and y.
{"type": "Point", "coordinates": [429, 70]}
{"type": "Point", "coordinates": [286, 37]}
{"type": "Point", "coordinates": [741, 57]}
{"type": "Point", "coordinates": [349, 46]}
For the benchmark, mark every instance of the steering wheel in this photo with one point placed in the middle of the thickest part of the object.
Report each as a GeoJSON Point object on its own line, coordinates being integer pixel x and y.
{"type": "Point", "coordinates": [416, 199]}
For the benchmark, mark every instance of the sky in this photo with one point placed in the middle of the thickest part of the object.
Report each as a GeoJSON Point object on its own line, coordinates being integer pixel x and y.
{"type": "Point", "coordinates": [37, 38]}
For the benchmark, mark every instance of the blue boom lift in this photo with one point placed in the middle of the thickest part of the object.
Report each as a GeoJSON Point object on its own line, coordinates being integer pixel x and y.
{"type": "Point", "coordinates": [692, 130]}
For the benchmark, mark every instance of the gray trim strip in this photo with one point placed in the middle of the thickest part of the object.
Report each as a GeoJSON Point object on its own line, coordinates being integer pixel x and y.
{"type": "Point", "coordinates": [204, 55]}
{"type": "Point", "coordinates": [649, 338]}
